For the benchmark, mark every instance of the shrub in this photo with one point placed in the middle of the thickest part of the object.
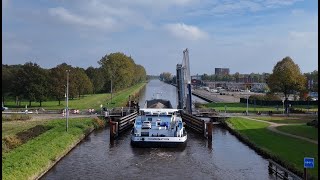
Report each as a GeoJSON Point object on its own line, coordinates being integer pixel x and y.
{"type": "Point", "coordinates": [272, 97]}
{"type": "Point", "coordinates": [313, 123]}
{"type": "Point", "coordinates": [267, 97]}
{"type": "Point", "coordinates": [16, 117]}
{"type": "Point", "coordinates": [11, 142]}
{"type": "Point", "coordinates": [295, 110]}
{"type": "Point", "coordinates": [98, 123]}
{"type": "Point", "coordinates": [5, 118]}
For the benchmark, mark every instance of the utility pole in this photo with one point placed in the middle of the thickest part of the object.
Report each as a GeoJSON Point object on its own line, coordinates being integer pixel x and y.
{"type": "Point", "coordinates": [247, 101]}
{"type": "Point", "coordinates": [111, 90]}
{"type": "Point", "coordinates": [67, 109]}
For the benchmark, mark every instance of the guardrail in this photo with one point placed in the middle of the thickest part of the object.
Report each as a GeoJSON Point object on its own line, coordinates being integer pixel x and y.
{"type": "Point", "coordinates": [193, 122]}
{"type": "Point", "coordinates": [126, 122]}
{"type": "Point", "coordinates": [279, 171]}
{"type": "Point", "coordinates": [122, 124]}
{"type": "Point", "coordinates": [197, 124]}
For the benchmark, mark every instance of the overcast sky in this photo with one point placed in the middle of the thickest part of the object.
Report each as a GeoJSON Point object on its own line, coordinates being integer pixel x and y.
{"type": "Point", "coordinates": [245, 36]}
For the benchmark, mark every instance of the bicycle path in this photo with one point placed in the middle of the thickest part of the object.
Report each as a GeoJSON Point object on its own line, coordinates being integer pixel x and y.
{"type": "Point", "coordinates": [273, 126]}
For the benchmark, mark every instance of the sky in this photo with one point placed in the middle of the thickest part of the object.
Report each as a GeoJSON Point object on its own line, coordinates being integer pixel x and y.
{"type": "Point", "coordinates": [243, 35]}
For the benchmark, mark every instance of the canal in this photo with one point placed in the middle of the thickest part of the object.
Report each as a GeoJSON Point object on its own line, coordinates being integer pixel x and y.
{"type": "Point", "coordinates": [224, 158]}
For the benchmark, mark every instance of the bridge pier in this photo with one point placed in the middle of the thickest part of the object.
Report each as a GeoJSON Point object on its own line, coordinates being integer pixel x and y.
{"type": "Point", "coordinates": [119, 124]}
{"type": "Point", "coordinates": [209, 131]}
{"type": "Point", "coordinates": [113, 129]}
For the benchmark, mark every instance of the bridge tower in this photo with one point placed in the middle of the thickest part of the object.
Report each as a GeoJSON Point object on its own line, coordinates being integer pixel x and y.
{"type": "Point", "coordinates": [180, 86]}
{"type": "Point", "coordinates": [184, 83]}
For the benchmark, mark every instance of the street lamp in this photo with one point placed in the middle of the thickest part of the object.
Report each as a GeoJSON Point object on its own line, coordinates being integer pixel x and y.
{"type": "Point", "coordinates": [247, 102]}
{"type": "Point", "coordinates": [111, 77]}
{"type": "Point", "coordinates": [67, 98]}
{"type": "Point", "coordinates": [101, 108]}
{"type": "Point", "coordinates": [111, 90]}
{"type": "Point", "coordinates": [283, 106]}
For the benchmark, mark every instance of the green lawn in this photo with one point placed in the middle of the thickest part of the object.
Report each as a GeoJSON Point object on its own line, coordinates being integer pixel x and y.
{"type": "Point", "coordinates": [241, 107]}
{"type": "Point", "coordinates": [29, 159]}
{"type": "Point", "coordinates": [288, 149]}
{"type": "Point", "coordinates": [301, 130]}
{"type": "Point", "coordinates": [88, 101]}
{"type": "Point", "coordinates": [13, 127]}
{"type": "Point", "coordinates": [285, 119]}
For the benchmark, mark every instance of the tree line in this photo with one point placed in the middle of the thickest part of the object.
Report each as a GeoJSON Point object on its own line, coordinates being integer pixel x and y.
{"type": "Point", "coordinates": [285, 78]}
{"type": "Point", "coordinates": [36, 84]}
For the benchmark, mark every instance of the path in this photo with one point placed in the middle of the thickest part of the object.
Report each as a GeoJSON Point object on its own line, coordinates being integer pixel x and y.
{"type": "Point", "coordinates": [273, 126]}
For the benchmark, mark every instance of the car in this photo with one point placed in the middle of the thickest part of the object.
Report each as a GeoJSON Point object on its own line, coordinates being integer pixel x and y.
{"type": "Point", "coordinates": [314, 99]}
{"type": "Point", "coordinates": [4, 108]}
{"type": "Point", "coordinates": [146, 125]}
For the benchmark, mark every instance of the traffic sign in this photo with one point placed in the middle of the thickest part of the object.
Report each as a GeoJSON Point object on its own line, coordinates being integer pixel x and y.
{"type": "Point", "coordinates": [308, 162]}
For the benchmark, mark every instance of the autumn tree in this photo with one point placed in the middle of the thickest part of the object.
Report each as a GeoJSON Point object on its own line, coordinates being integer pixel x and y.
{"type": "Point", "coordinates": [286, 77]}
{"type": "Point", "coordinates": [139, 74]}
{"type": "Point", "coordinates": [119, 69]}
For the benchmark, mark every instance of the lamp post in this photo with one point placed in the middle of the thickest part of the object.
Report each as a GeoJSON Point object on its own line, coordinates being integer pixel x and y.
{"type": "Point", "coordinates": [111, 89]}
{"type": "Point", "coordinates": [283, 106]}
{"type": "Point", "coordinates": [101, 108]}
{"type": "Point", "coordinates": [67, 99]}
{"type": "Point", "coordinates": [247, 102]}
{"type": "Point", "coordinates": [111, 78]}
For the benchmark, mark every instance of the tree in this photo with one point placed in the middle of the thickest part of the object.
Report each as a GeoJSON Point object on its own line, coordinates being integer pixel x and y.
{"type": "Point", "coordinates": [166, 76]}
{"type": "Point", "coordinates": [32, 82]}
{"type": "Point", "coordinates": [96, 77]}
{"type": "Point", "coordinates": [80, 81]}
{"type": "Point", "coordinates": [286, 77]}
{"type": "Point", "coordinates": [119, 69]}
{"type": "Point", "coordinates": [58, 81]}
{"type": "Point", "coordinates": [312, 81]}
{"type": "Point", "coordinates": [139, 74]}
{"type": "Point", "coordinates": [9, 75]}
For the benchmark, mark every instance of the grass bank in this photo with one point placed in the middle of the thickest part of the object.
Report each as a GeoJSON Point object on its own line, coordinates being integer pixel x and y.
{"type": "Point", "coordinates": [285, 119]}
{"type": "Point", "coordinates": [301, 130]}
{"type": "Point", "coordinates": [241, 107]}
{"type": "Point", "coordinates": [285, 150]}
{"type": "Point", "coordinates": [87, 101]}
{"type": "Point", "coordinates": [30, 157]}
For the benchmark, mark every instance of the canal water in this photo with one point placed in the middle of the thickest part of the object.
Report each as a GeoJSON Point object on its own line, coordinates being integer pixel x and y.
{"type": "Point", "coordinates": [225, 157]}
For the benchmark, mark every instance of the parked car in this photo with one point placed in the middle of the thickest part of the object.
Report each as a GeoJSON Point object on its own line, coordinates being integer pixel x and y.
{"type": "Point", "coordinates": [4, 108]}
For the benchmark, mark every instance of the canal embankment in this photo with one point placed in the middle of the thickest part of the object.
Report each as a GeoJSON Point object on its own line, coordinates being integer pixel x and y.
{"type": "Point", "coordinates": [33, 146]}
{"type": "Point", "coordinates": [285, 150]}
{"type": "Point", "coordinates": [29, 149]}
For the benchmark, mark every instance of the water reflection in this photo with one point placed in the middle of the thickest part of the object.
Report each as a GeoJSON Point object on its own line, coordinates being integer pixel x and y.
{"type": "Point", "coordinates": [166, 91]}
{"type": "Point", "coordinates": [224, 157]}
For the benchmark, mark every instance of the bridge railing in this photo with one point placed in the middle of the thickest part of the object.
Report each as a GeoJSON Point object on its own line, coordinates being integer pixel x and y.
{"type": "Point", "coordinates": [126, 122]}
{"type": "Point", "coordinates": [118, 125]}
{"type": "Point", "coordinates": [193, 122]}
{"type": "Point", "coordinates": [279, 171]}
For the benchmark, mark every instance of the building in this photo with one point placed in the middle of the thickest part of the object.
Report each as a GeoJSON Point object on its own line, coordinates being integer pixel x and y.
{"type": "Point", "coordinates": [197, 77]}
{"type": "Point", "coordinates": [221, 71]}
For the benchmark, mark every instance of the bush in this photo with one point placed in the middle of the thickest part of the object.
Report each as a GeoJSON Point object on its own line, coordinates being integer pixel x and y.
{"type": "Point", "coordinates": [313, 123]}
{"type": "Point", "coordinates": [295, 110]}
{"type": "Point", "coordinates": [272, 97]}
{"type": "Point", "coordinates": [16, 117]}
{"type": "Point", "coordinates": [98, 123]}
{"type": "Point", "coordinates": [11, 142]}
{"type": "Point", "coordinates": [257, 97]}
{"type": "Point", "coordinates": [267, 97]}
